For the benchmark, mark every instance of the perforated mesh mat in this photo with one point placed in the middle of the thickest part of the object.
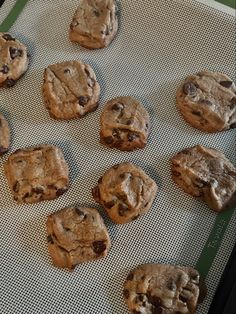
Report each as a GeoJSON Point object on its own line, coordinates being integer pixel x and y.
{"type": "Point", "coordinates": [158, 44]}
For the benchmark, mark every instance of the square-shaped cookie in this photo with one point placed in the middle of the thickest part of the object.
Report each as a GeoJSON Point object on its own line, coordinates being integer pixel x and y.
{"type": "Point", "coordinates": [37, 173]}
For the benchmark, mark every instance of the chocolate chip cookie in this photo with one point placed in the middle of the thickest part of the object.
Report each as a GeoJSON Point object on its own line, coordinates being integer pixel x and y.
{"type": "Point", "coordinates": [126, 192]}
{"type": "Point", "coordinates": [13, 60]}
{"type": "Point", "coordinates": [124, 124]}
{"type": "Point", "coordinates": [37, 173]}
{"type": "Point", "coordinates": [76, 235]}
{"type": "Point", "coordinates": [94, 24]}
{"type": "Point", "coordinates": [70, 90]}
{"type": "Point", "coordinates": [164, 289]}
{"type": "Point", "coordinates": [4, 135]}
{"type": "Point", "coordinates": [205, 173]}
{"type": "Point", "coordinates": [207, 101]}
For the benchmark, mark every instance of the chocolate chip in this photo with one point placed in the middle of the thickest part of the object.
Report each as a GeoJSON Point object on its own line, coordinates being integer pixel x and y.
{"type": "Point", "coordinates": [99, 247]}
{"type": "Point", "coordinates": [196, 113]}
{"type": "Point", "coordinates": [79, 211]}
{"type": "Point", "coordinates": [50, 239]}
{"type": "Point", "coordinates": [100, 180]}
{"type": "Point", "coordinates": [189, 88]}
{"type": "Point", "coordinates": [130, 276]}
{"type": "Point", "coordinates": [117, 107]}
{"type": "Point", "coordinates": [83, 100]}
{"type": "Point", "coordinates": [126, 293]}
{"type": "Point", "coordinates": [16, 187]}
{"type": "Point", "coordinates": [8, 37]}
{"type": "Point", "coordinates": [116, 133]}
{"type": "Point", "coordinates": [122, 209]}
{"type": "Point", "coordinates": [154, 300]}
{"type": "Point", "coordinates": [233, 125]}
{"type": "Point", "coordinates": [147, 125]}
{"type": "Point", "coordinates": [108, 139]}
{"type": "Point", "coordinates": [122, 197]}
{"type": "Point", "coordinates": [38, 190]}
{"type": "Point", "coordinates": [61, 191]}
{"type": "Point", "coordinates": [10, 82]}
{"type": "Point", "coordinates": [141, 297]}
{"type": "Point", "coordinates": [135, 217]}
{"type": "Point", "coordinates": [205, 102]}
{"type": "Point", "coordinates": [110, 204]}
{"type": "Point", "coordinates": [158, 310]}
{"type": "Point", "coordinates": [14, 52]}
{"type": "Point", "coordinates": [136, 312]}
{"type": "Point", "coordinates": [67, 71]}
{"type": "Point", "coordinates": [132, 137]}
{"type": "Point", "coordinates": [96, 193]}
{"type": "Point", "coordinates": [122, 175]}
{"type": "Point", "coordinates": [182, 298]}
{"type": "Point", "coordinates": [226, 84]}
{"type": "Point", "coordinates": [96, 13]}
{"type": "Point", "coordinates": [4, 69]}
{"type": "Point", "coordinates": [128, 122]}
{"type": "Point", "coordinates": [26, 195]}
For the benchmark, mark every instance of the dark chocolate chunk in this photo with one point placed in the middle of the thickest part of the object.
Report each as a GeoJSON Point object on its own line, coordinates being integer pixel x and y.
{"type": "Point", "coordinates": [16, 187]}
{"type": "Point", "coordinates": [108, 139]}
{"type": "Point", "coordinates": [61, 191]}
{"type": "Point", "coordinates": [130, 276]}
{"type": "Point", "coordinates": [15, 52]}
{"type": "Point", "coordinates": [38, 190]}
{"type": "Point", "coordinates": [100, 180]}
{"type": "Point", "coordinates": [110, 204]}
{"type": "Point", "coordinates": [67, 71]}
{"type": "Point", "coordinates": [205, 102]}
{"type": "Point", "coordinates": [4, 69]}
{"type": "Point", "coordinates": [122, 197]}
{"type": "Point", "coordinates": [79, 211]}
{"type": "Point", "coordinates": [83, 100]}
{"type": "Point", "coordinates": [26, 195]}
{"type": "Point", "coordinates": [128, 122]}
{"type": "Point", "coordinates": [50, 239]}
{"type": "Point", "coordinates": [226, 84]}
{"type": "Point", "coordinates": [99, 247]}
{"type": "Point", "coordinates": [96, 193]}
{"type": "Point", "coordinates": [233, 125]}
{"type": "Point", "coordinates": [10, 82]}
{"type": "Point", "coordinates": [141, 297]}
{"type": "Point", "coordinates": [126, 293]}
{"type": "Point", "coordinates": [196, 113]}
{"type": "Point", "coordinates": [132, 137]}
{"type": "Point", "coordinates": [117, 107]}
{"type": "Point", "coordinates": [136, 312]}
{"type": "Point", "coordinates": [182, 298]}
{"type": "Point", "coordinates": [116, 133]}
{"type": "Point", "coordinates": [158, 310]}
{"type": "Point", "coordinates": [96, 13]}
{"type": "Point", "coordinates": [189, 88]}
{"type": "Point", "coordinates": [8, 37]}
{"type": "Point", "coordinates": [122, 209]}
{"type": "Point", "coordinates": [154, 300]}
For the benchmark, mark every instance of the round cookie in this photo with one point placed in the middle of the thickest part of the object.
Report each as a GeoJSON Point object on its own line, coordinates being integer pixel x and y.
{"type": "Point", "coordinates": [124, 124]}
{"type": "Point", "coordinates": [70, 90]}
{"type": "Point", "coordinates": [4, 135]}
{"type": "Point", "coordinates": [76, 235]}
{"type": "Point", "coordinates": [205, 173]}
{"type": "Point", "coordinates": [13, 60]}
{"type": "Point", "coordinates": [94, 24]}
{"type": "Point", "coordinates": [126, 192]}
{"type": "Point", "coordinates": [207, 101]}
{"type": "Point", "coordinates": [166, 289]}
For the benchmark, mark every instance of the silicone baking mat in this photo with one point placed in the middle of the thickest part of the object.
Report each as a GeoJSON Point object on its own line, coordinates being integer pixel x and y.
{"type": "Point", "coordinates": [158, 44]}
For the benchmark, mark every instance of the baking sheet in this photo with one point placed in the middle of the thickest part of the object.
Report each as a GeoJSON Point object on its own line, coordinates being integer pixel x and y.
{"type": "Point", "coordinates": [158, 44]}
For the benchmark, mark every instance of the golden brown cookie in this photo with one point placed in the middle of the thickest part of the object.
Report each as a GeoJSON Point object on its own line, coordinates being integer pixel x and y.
{"type": "Point", "coordinates": [70, 90]}
{"type": "Point", "coordinates": [207, 101]}
{"type": "Point", "coordinates": [164, 289]}
{"type": "Point", "coordinates": [4, 135]}
{"type": "Point", "coordinates": [13, 60]}
{"type": "Point", "coordinates": [126, 192]}
{"type": "Point", "coordinates": [37, 173]}
{"type": "Point", "coordinates": [94, 24]}
{"type": "Point", "coordinates": [76, 235]}
{"type": "Point", "coordinates": [124, 124]}
{"type": "Point", "coordinates": [205, 173]}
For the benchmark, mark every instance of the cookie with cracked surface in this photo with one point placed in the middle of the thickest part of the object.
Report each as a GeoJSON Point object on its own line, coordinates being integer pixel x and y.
{"type": "Point", "coordinates": [126, 192]}
{"type": "Point", "coordinates": [13, 60]}
{"type": "Point", "coordinates": [207, 101]}
{"type": "Point", "coordinates": [76, 235]}
{"type": "Point", "coordinates": [124, 124]}
{"type": "Point", "coordinates": [4, 135]}
{"type": "Point", "coordinates": [94, 24]}
{"type": "Point", "coordinates": [205, 173]}
{"type": "Point", "coordinates": [162, 289]}
{"type": "Point", "coordinates": [70, 90]}
{"type": "Point", "coordinates": [37, 173]}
